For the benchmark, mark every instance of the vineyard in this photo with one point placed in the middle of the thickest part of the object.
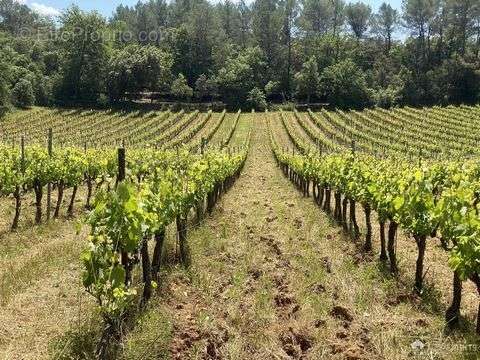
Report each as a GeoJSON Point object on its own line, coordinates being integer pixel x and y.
{"type": "Point", "coordinates": [160, 234]}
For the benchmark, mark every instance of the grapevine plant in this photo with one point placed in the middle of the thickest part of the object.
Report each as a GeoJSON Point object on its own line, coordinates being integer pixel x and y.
{"type": "Point", "coordinates": [426, 200]}
{"type": "Point", "coordinates": [160, 189]}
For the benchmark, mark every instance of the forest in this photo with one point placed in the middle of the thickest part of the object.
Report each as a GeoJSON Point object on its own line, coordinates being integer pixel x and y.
{"type": "Point", "coordinates": [250, 55]}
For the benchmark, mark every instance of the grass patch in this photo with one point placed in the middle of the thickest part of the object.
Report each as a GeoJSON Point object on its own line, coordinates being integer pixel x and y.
{"type": "Point", "coordinates": [150, 339]}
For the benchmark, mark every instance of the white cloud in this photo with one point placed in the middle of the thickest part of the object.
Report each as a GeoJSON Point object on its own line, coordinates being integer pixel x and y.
{"type": "Point", "coordinates": [44, 9]}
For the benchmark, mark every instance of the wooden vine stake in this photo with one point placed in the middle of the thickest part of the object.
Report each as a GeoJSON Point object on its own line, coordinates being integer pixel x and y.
{"type": "Point", "coordinates": [182, 231]}
{"type": "Point", "coordinates": [49, 185]}
{"type": "Point", "coordinates": [147, 271]}
{"type": "Point", "coordinates": [121, 165]}
{"type": "Point", "coordinates": [120, 179]}
{"type": "Point", "coordinates": [18, 191]}
{"type": "Point", "coordinates": [22, 154]}
{"type": "Point", "coordinates": [202, 145]}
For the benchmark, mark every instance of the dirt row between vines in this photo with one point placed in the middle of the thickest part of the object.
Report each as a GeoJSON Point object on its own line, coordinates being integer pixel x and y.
{"type": "Point", "coordinates": [273, 278]}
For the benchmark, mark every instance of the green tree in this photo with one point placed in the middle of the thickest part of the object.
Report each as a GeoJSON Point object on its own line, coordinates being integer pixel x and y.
{"type": "Point", "coordinates": [358, 18]}
{"type": "Point", "coordinates": [386, 82]}
{"type": "Point", "coordinates": [316, 17]}
{"type": "Point", "coordinates": [344, 85]}
{"type": "Point", "coordinates": [195, 41]}
{"type": "Point", "coordinates": [205, 87]}
{"type": "Point", "coordinates": [385, 23]}
{"type": "Point", "coordinates": [22, 94]}
{"type": "Point", "coordinates": [84, 56]}
{"type": "Point", "coordinates": [138, 68]}
{"type": "Point", "coordinates": [256, 99]}
{"type": "Point", "coordinates": [43, 90]}
{"type": "Point", "coordinates": [229, 19]}
{"type": "Point", "coordinates": [16, 16]}
{"type": "Point", "coordinates": [455, 81]}
{"type": "Point", "coordinates": [307, 80]}
{"type": "Point", "coordinates": [418, 16]}
{"type": "Point", "coordinates": [241, 73]}
{"type": "Point", "coordinates": [272, 88]}
{"type": "Point", "coordinates": [464, 20]}
{"type": "Point", "coordinates": [4, 93]}
{"type": "Point", "coordinates": [245, 19]}
{"type": "Point", "coordinates": [338, 15]}
{"type": "Point", "coordinates": [266, 24]}
{"type": "Point", "coordinates": [180, 88]}
{"type": "Point", "coordinates": [145, 20]}
{"type": "Point", "coordinates": [289, 12]}
{"type": "Point", "coordinates": [51, 61]}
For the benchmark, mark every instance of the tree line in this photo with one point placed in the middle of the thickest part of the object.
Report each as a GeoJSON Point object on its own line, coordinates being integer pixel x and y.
{"type": "Point", "coordinates": [269, 51]}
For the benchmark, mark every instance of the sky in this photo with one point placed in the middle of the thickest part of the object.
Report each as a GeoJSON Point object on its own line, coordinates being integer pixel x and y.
{"type": "Point", "coordinates": [54, 7]}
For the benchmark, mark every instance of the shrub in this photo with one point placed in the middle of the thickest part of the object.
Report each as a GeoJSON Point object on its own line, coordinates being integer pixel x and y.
{"type": "Point", "coordinates": [22, 94]}
{"type": "Point", "coordinates": [256, 99]}
{"type": "Point", "coordinates": [180, 88]}
{"type": "Point", "coordinates": [344, 85]}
